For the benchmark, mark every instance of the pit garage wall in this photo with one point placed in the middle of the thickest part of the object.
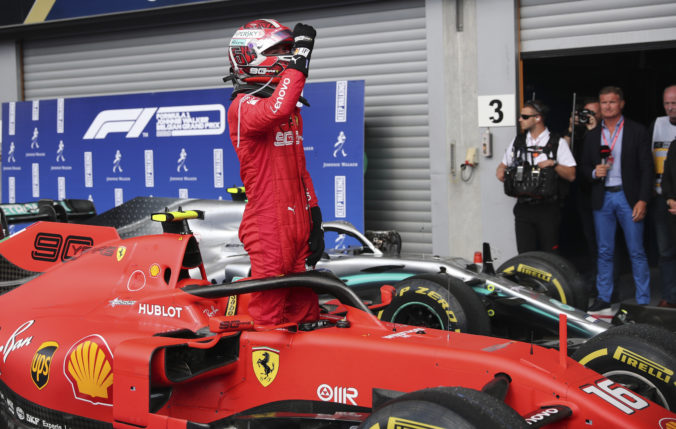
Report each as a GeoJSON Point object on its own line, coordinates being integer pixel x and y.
{"type": "Point", "coordinates": [382, 42]}
{"type": "Point", "coordinates": [497, 67]}
{"type": "Point", "coordinates": [9, 70]}
{"type": "Point", "coordinates": [424, 63]}
{"type": "Point", "coordinates": [576, 24]}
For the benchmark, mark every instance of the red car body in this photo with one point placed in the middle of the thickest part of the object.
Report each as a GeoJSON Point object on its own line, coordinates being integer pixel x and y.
{"type": "Point", "coordinates": [110, 334]}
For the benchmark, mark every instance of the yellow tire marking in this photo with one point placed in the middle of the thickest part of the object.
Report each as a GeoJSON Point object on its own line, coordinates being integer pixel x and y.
{"type": "Point", "coordinates": [560, 289]}
{"type": "Point", "coordinates": [591, 356]}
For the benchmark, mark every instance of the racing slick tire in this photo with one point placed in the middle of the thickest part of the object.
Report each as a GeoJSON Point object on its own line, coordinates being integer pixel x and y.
{"type": "Point", "coordinates": [438, 301]}
{"type": "Point", "coordinates": [445, 407]}
{"type": "Point", "coordinates": [640, 357]}
{"type": "Point", "coordinates": [550, 274]}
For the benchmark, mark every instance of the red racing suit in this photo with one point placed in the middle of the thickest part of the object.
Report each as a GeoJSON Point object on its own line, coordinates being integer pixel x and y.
{"type": "Point", "coordinates": [267, 134]}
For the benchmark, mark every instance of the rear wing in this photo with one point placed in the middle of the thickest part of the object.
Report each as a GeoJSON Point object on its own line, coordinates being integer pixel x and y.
{"type": "Point", "coordinates": [67, 210]}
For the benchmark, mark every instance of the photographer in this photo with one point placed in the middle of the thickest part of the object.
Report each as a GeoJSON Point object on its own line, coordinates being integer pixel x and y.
{"type": "Point", "coordinates": [587, 117]}
{"type": "Point", "coordinates": [545, 158]}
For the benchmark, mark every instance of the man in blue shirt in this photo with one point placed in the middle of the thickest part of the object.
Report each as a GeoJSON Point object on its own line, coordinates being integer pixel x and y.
{"type": "Point", "coordinates": [618, 161]}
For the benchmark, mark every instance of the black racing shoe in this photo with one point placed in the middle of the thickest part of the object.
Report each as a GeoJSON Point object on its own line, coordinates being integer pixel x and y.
{"type": "Point", "coordinates": [598, 305]}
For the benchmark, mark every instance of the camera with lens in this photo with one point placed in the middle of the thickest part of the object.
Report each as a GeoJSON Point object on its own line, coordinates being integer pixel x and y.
{"type": "Point", "coordinates": [584, 115]}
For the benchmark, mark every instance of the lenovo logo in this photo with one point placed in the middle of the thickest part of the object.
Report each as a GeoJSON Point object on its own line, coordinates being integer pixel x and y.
{"type": "Point", "coordinates": [281, 94]}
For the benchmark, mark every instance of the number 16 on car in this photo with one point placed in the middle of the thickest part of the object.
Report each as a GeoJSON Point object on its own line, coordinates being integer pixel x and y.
{"type": "Point", "coordinates": [616, 395]}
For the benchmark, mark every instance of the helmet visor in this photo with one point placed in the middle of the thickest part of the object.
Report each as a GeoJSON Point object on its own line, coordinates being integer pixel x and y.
{"type": "Point", "coordinates": [283, 48]}
{"type": "Point", "coordinates": [279, 42]}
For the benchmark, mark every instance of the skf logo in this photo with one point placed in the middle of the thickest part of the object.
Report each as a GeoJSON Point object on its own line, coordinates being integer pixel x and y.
{"type": "Point", "coordinates": [42, 362]}
{"type": "Point", "coordinates": [265, 363]}
{"type": "Point", "coordinates": [89, 369]}
{"type": "Point", "coordinates": [130, 121]}
{"type": "Point", "coordinates": [339, 394]}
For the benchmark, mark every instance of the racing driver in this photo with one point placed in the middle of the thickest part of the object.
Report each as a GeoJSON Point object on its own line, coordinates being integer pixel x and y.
{"type": "Point", "coordinates": [281, 228]}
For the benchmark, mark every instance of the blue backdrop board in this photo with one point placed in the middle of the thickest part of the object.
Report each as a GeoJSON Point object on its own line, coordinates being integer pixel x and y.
{"type": "Point", "coordinates": [111, 149]}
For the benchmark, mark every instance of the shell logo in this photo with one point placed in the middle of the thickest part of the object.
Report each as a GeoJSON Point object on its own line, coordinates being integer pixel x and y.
{"type": "Point", "coordinates": [668, 423]}
{"type": "Point", "coordinates": [89, 369]}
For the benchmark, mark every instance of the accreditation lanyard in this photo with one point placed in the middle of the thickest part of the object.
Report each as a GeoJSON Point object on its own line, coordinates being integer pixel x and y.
{"type": "Point", "coordinates": [613, 136]}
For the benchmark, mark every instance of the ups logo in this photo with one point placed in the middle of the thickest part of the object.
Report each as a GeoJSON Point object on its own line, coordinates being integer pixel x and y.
{"type": "Point", "coordinates": [42, 362]}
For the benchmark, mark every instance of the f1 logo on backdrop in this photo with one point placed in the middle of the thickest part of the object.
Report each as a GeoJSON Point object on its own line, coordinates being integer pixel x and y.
{"type": "Point", "coordinates": [170, 121]}
{"type": "Point", "coordinates": [130, 121]}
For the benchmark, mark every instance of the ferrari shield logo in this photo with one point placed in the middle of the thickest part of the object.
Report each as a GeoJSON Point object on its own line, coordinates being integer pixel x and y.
{"type": "Point", "coordinates": [120, 253]}
{"type": "Point", "coordinates": [265, 364]}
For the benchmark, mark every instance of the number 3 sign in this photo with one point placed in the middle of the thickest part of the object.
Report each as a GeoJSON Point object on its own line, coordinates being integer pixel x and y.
{"type": "Point", "coordinates": [497, 110]}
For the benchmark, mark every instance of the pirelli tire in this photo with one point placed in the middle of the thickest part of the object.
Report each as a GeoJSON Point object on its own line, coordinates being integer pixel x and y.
{"type": "Point", "coordinates": [445, 407]}
{"type": "Point", "coordinates": [640, 357]}
{"type": "Point", "coordinates": [550, 274]}
{"type": "Point", "coordinates": [438, 301]}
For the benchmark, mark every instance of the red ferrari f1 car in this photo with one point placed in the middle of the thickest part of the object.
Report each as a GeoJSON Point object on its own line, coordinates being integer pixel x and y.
{"type": "Point", "coordinates": [112, 332]}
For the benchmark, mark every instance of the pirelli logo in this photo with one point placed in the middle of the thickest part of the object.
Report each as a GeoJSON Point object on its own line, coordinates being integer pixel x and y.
{"type": "Point", "coordinates": [643, 364]}
{"type": "Point", "coordinates": [526, 269]}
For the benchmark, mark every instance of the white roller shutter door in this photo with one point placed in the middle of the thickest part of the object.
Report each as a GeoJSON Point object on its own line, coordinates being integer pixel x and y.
{"type": "Point", "coordinates": [548, 25]}
{"type": "Point", "coordinates": [383, 43]}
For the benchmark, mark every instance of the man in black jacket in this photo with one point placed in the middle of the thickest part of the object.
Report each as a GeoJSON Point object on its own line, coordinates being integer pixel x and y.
{"type": "Point", "coordinates": [618, 161]}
